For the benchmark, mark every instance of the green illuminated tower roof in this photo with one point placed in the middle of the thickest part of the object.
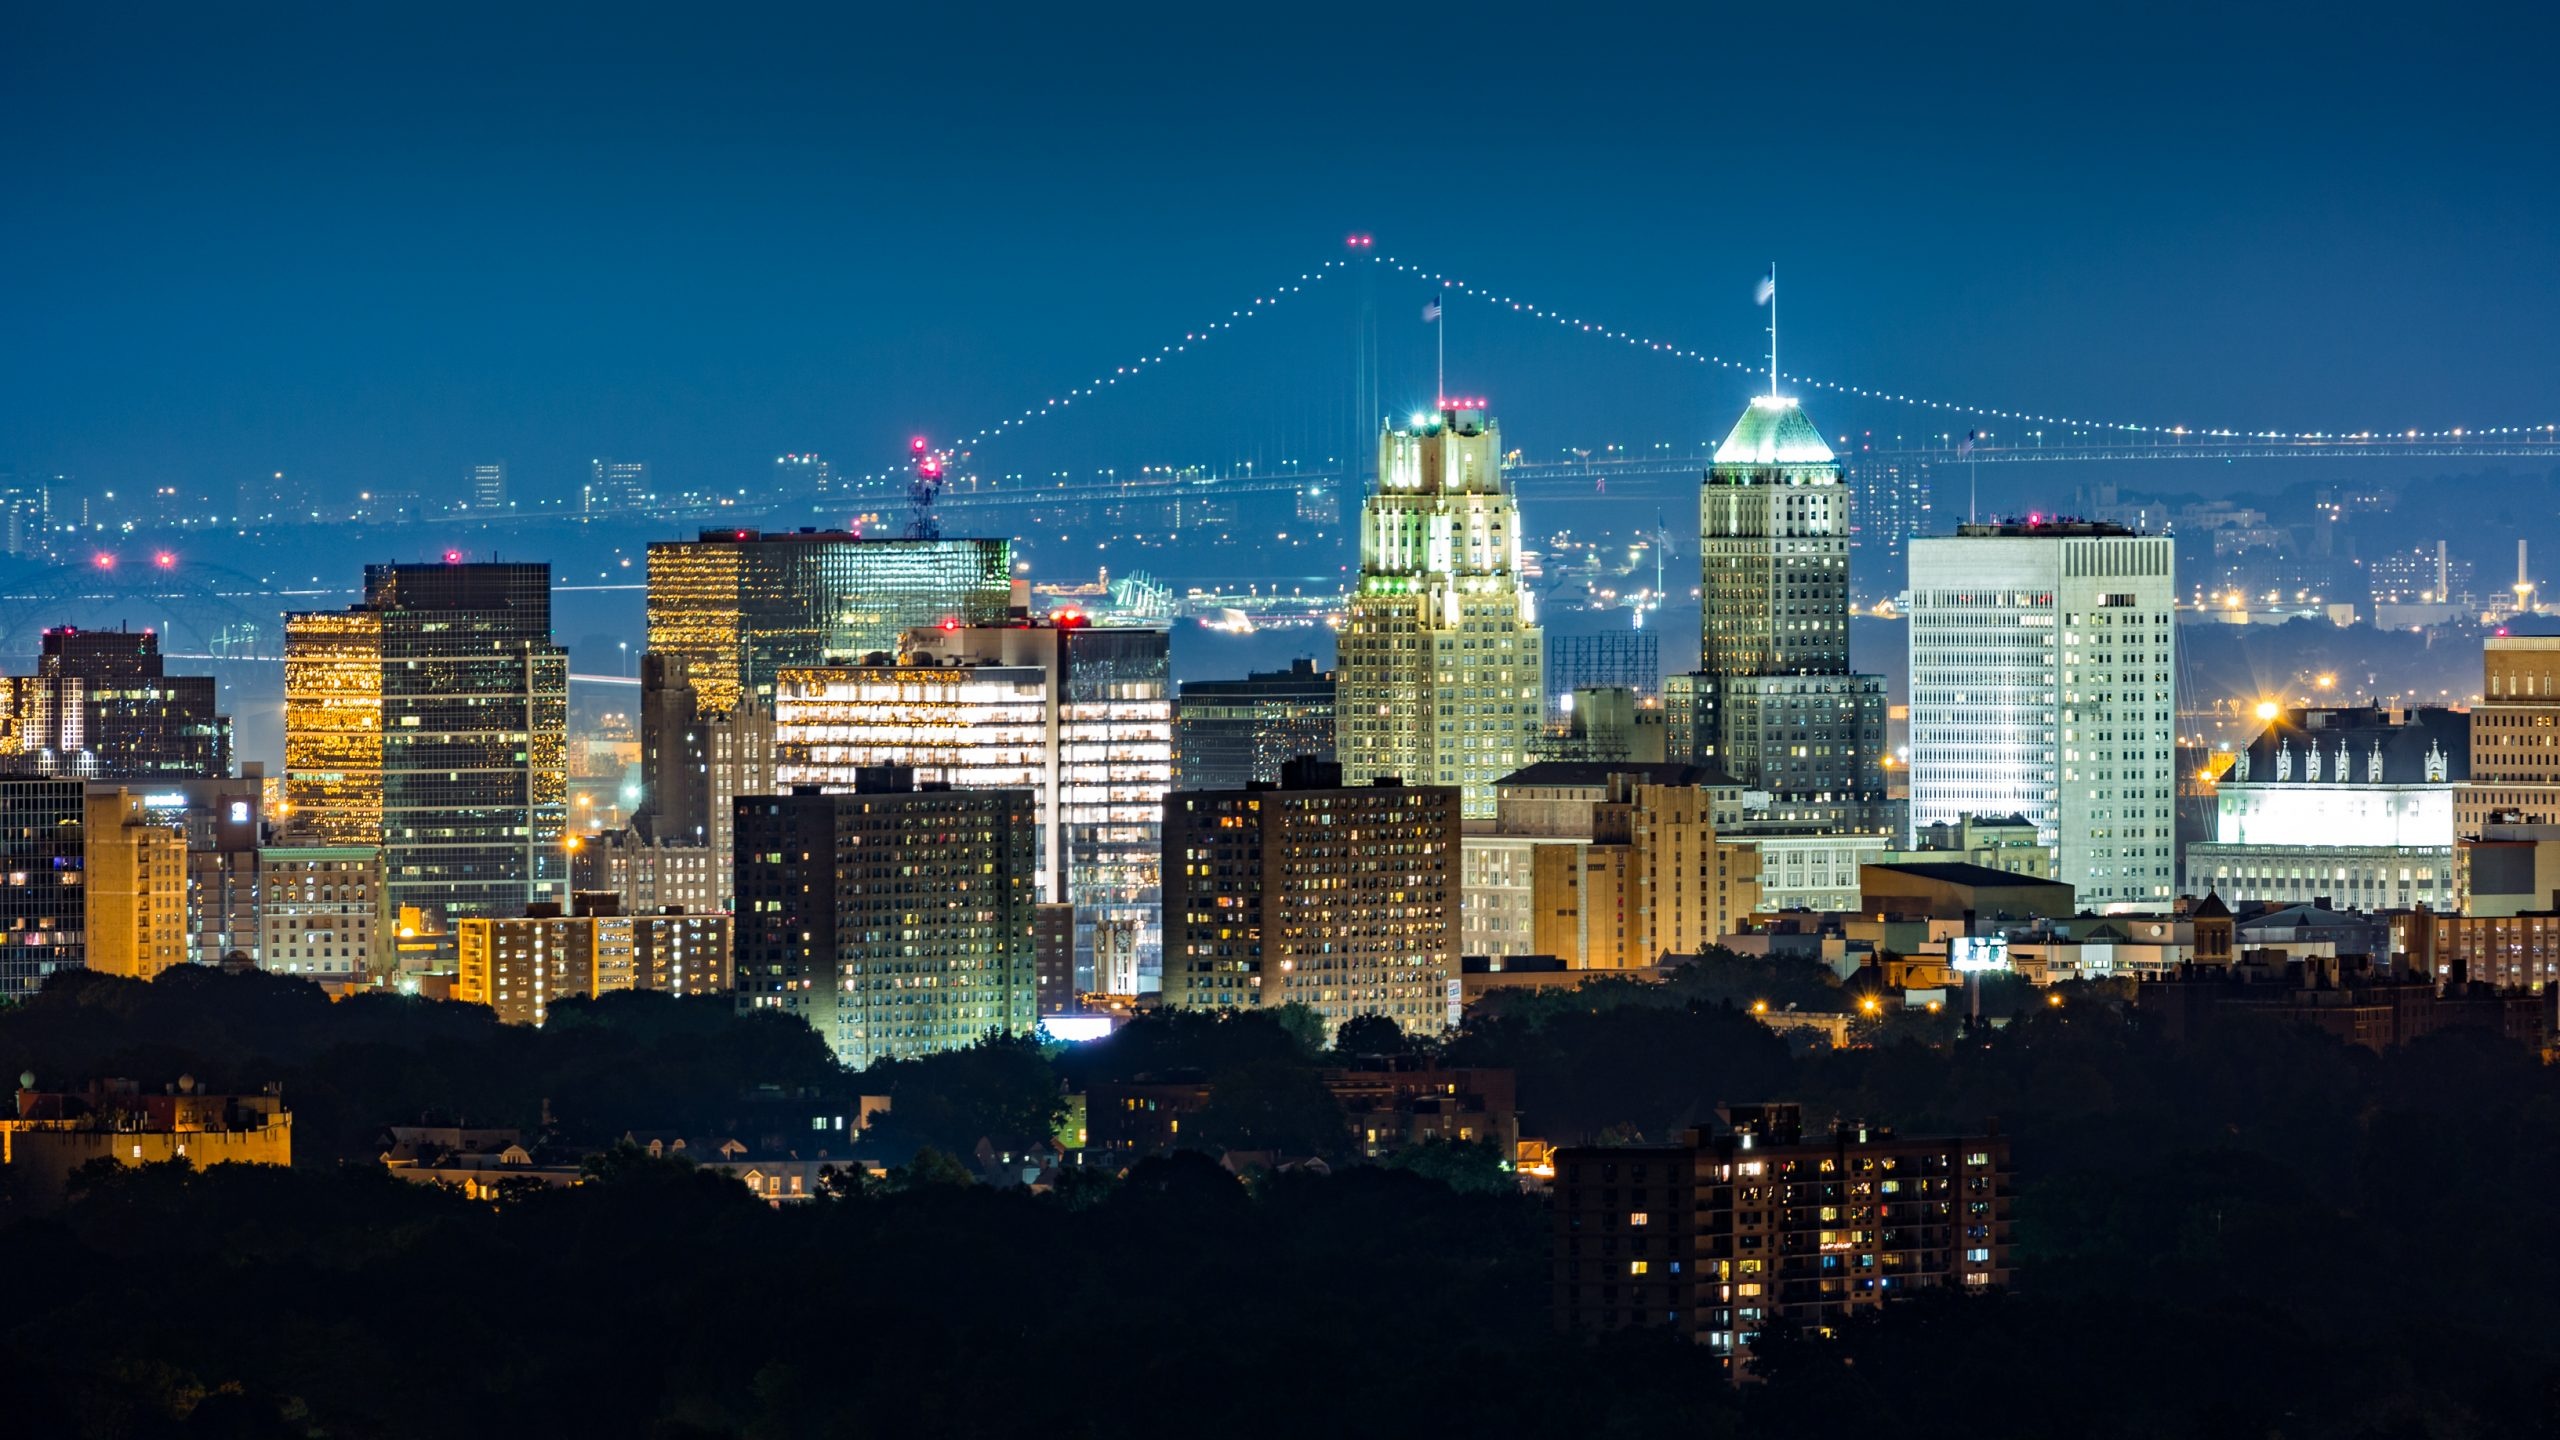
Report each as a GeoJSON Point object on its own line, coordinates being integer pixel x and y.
{"type": "Point", "coordinates": [1773, 431]}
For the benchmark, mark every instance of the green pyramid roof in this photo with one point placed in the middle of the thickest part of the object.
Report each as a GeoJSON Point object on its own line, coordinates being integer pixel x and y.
{"type": "Point", "coordinates": [1773, 431]}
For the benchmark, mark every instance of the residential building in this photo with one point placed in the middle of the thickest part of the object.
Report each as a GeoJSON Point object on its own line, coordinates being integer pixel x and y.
{"type": "Point", "coordinates": [1655, 881]}
{"type": "Point", "coordinates": [2354, 804]}
{"type": "Point", "coordinates": [2043, 664]}
{"type": "Point", "coordinates": [431, 720]}
{"type": "Point", "coordinates": [1230, 733]}
{"type": "Point", "coordinates": [1340, 897]}
{"type": "Point", "coordinates": [53, 1134]}
{"type": "Point", "coordinates": [649, 875]}
{"type": "Point", "coordinates": [2515, 736]}
{"type": "Point", "coordinates": [1442, 661]}
{"type": "Point", "coordinates": [135, 884]}
{"type": "Point", "coordinates": [2353, 996]}
{"type": "Point", "coordinates": [322, 912]}
{"type": "Point", "coordinates": [2509, 868]}
{"type": "Point", "coordinates": [43, 905]}
{"type": "Point", "coordinates": [616, 485]}
{"type": "Point", "coordinates": [1081, 716]}
{"type": "Point", "coordinates": [522, 965]}
{"type": "Point", "coordinates": [102, 705]}
{"type": "Point", "coordinates": [896, 920]}
{"type": "Point", "coordinates": [1755, 1223]}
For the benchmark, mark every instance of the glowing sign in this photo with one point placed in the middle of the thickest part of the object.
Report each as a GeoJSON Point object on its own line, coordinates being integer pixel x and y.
{"type": "Point", "coordinates": [1074, 1029]}
{"type": "Point", "coordinates": [1970, 953]}
{"type": "Point", "coordinates": [166, 800]}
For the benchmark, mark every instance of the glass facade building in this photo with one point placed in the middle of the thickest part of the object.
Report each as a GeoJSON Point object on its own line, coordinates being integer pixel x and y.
{"type": "Point", "coordinates": [1230, 733]}
{"type": "Point", "coordinates": [43, 902]}
{"type": "Point", "coordinates": [739, 606]}
{"type": "Point", "coordinates": [1080, 716]}
{"type": "Point", "coordinates": [432, 720]}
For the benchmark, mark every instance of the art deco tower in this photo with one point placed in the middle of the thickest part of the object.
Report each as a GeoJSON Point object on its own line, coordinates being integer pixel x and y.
{"type": "Point", "coordinates": [1442, 661]}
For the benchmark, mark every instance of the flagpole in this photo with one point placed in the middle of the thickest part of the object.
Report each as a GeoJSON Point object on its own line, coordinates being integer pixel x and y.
{"type": "Point", "coordinates": [1440, 328]}
{"type": "Point", "coordinates": [1773, 329]}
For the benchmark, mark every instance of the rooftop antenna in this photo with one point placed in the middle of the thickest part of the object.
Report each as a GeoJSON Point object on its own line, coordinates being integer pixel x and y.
{"type": "Point", "coordinates": [1768, 295]}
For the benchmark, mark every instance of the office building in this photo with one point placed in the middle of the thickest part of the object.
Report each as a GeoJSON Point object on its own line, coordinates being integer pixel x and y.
{"type": "Point", "coordinates": [1080, 716]}
{"type": "Point", "coordinates": [897, 921]}
{"type": "Point", "coordinates": [1655, 881]}
{"type": "Point", "coordinates": [616, 485]}
{"type": "Point", "coordinates": [522, 965]}
{"type": "Point", "coordinates": [1889, 507]}
{"type": "Point", "coordinates": [1231, 733]}
{"type": "Point", "coordinates": [1754, 1223]}
{"type": "Point", "coordinates": [431, 720]}
{"type": "Point", "coordinates": [739, 606]}
{"type": "Point", "coordinates": [2515, 736]}
{"type": "Point", "coordinates": [135, 884]}
{"type": "Point", "coordinates": [101, 705]}
{"type": "Point", "coordinates": [1344, 898]}
{"type": "Point", "coordinates": [694, 762]}
{"type": "Point", "coordinates": [1442, 662]}
{"type": "Point", "coordinates": [321, 912]}
{"type": "Point", "coordinates": [43, 904]}
{"type": "Point", "coordinates": [2043, 657]}
{"type": "Point", "coordinates": [2352, 804]}
{"type": "Point", "coordinates": [1773, 703]}
{"type": "Point", "coordinates": [485, 487]}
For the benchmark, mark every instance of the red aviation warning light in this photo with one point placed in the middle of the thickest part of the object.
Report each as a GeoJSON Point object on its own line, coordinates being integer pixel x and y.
{"type": "Point", "coordinates": [165, 560]}
{"type": "Point", "coordinates": [923, 488]}
{"type": "Point", "coordinates": [106, 561]}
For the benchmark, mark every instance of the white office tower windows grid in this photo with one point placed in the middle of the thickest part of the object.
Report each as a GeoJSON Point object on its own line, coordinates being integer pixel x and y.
{"type": "Point", "coordinates": [2043, 660]}
{"type": "Point", "coordinates": [1442, 663]}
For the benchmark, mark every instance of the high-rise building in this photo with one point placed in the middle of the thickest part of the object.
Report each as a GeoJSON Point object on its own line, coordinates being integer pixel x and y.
{"type": "Point", "coordinates": [432, 720]}
{"type": "Point", "coordinates": [486, 485]}
{"type": "Point", "coordinates": [1081, 716]}
{"type": "Point", "coordinates": [1442, 661]}
{"type": "Point", "coordinates": [694, 762]}
{"type": "Point", "coordinates": [322, 914]}
{"type": "Point", "coordinates": [1344, 898]}
{"type": "Point", "coordinates": [802, 475]}
{"type": "Point", "coordinates": [522, 965]}
{"type": "Point", "coordinates": [1774, 704]}
{"type": "Point", "coordinates": [2353, 804]}
{"type": "Point", "coordinates": [2043, 657]}
{"type": "Point", "coordinates": [2515, 736]}
{"type": "Point", "coordinates": [1889, 508]}
{"type": "Point", "coordinates": [101, 705]}
{"type": "Point", "coordinates": [136, 887]}
{"type": "Point", "coordinates": [616, 485]}
{"type": "Point", "coordinates": [1756, 1223]}
{"type": "Point", "coordinates": [895, 920]}
{"type": "Point", "coordinates": [740, 605]}
{"type": "Point", "coordinates": [1230, 733]}
{"type": "Point", "coordinates": [43, 912]}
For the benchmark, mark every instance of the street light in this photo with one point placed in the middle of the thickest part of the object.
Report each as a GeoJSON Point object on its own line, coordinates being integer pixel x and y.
{"type": "Point", "coordinates": [625, 647]}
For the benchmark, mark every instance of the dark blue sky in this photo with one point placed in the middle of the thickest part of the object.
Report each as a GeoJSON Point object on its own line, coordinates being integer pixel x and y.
{"type": "Point", "coordinates": [370, 244]}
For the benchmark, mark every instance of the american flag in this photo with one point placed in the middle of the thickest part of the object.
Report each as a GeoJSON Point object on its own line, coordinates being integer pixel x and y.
{"type": "Point", "coordinates": [1430, 309]}
{"type": "Point", "coordinates": [1964, 450]}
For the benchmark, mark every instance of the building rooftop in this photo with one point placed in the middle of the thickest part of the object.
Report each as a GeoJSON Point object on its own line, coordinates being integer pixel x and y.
{"type": "Point", "coordinates": [1958, 872]}
{"type": "Point", "coordinates": [1773, 430]}
{"type": "Point", "coordinates": [2045, 527]}
{"type": "Point", "coordinates": [1594, 774]}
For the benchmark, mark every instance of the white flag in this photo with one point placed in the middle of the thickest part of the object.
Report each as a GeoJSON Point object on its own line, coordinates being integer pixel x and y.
{"type": "Point", "coordinates": [1765, 291]}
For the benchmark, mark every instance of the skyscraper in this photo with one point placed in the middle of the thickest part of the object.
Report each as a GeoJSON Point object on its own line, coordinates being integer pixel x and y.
{"type": "Point", "coordinates": [1889, 508]}
{"type": "Point", "coordinates": [694, 761]}
{"type": "Point", "coordinates": [2043, 658]}
{"type": "Point", "coordinates": [739, 605]}
{"type": "Point", "coordinates": [1079, 715]}
{"type": "Point", "coordinates": [135, 887]}
{"type": "Point", "coordinates": [432, 719]}
{"type": "Point", "coordinates": [486, 487]}
{"type": "Point", "coordinates": [895, 920]}
{"type": "Point", "coordinates": [1342, 898]}
{"type": "Point", "coordinates": [43, 910]}
{"type": "Point", "coordinates": [101, 705]}
{"type": "Point", "coordinates": [1442, 660]}
{"type": "Point", "coordinates": [1774, 705]}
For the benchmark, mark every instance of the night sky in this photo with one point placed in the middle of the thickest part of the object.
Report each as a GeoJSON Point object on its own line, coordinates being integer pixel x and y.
{"type": "Point", "coordinates": [372, 244]}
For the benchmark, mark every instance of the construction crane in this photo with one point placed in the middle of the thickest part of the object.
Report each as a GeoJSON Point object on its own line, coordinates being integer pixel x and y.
{"type": "Point", "coordinates": [923, 488]}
